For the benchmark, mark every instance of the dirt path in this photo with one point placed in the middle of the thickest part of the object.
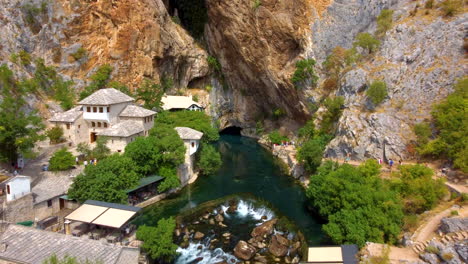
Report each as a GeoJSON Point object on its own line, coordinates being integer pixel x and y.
{"type": "Point", "coordinates": [428, 229]}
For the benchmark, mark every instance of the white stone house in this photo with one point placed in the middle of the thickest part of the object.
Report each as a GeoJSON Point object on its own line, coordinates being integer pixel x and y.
{"type": "Point", "coordinates": [176, 103]}
{"type": "Point", "coordinates": [191, 138]}
{"type": "Point", "coordinates": [17, 187]}
{"type": "Point", "coordinates": [107, 112]}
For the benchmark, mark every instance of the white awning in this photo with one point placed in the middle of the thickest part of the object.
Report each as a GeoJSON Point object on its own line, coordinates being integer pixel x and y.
{"type": "Point", "coordinates": [86, 213]}
{"type": "Point", "coordinates": [325, 254]}
{"type": "Point", "coordinates": [114, 218]}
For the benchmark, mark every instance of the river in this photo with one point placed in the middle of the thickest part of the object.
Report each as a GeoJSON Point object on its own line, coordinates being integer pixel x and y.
{"type": "Point", "coordinates": [247, 168]}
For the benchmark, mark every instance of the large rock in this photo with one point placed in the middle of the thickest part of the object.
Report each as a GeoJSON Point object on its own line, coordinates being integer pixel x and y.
{"type": "Point", "coordinates": [198, 235]}
{"type": "Point", "coordinates": [462, 250]}
{"type": "Point", "coordinates": [277, 247]}
{"type": "Point", "coordinates": [452, 225]}
{"type": "Point", "coordinates": [429, 258]}
{"type": "Point", "coordinates": [450, 256]}
{"type": "Point", "coordinates": [264, 229]}
{"type": "Point", "coordinates": [244, 251]}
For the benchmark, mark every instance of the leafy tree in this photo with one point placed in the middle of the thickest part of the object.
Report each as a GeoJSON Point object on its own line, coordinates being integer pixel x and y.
{"type": "Point", "coordinates": [367, 42]}
{"type": "Point", "coordinates": [307, 131]}
{"type": "Point", "coordinates": [304, 71]}
{"type": "Point", "coordinates": [98, 80]}
{"type": "Point", "coordinates": [311, 153]}
{"type": "Point", "coordinates": [423, 133]}
{"type": "Point", "coordinates": [377, 92]}
{"type": "Point", "coordinates": [419, 190]}
{"type": "Point", "coordinates": [276, 138]}
{"type": "Point", "coordinates": [209, 159]}
{"type": "Point", "coordinates": [171, 180]}
{"type": "Point", "coordinates": [334, 108]}
{"type": "Point", "coordinates": [150, 93]}
{"type": "Point", "coordinates": [384, 22]}
{"type": "Point", "coordinates": [68, 260]}
{"type": "Point", "coordinates": [358, 204]}
{"type": "Point", "coordinates": [19, 130]}
{"type": "Point", "coordinates": [194, 119]}
{"type": "Point", "coordinates": [171, 147]}
{"type": "Point", "coordinates": [61, 160]}
{"type": "Point", "coordinates": [145, 153]}
{"type": "Point", "coordinates": [106, 181]}
{"type": "Point", "coordinates": [101, 151]}
{"type": "Point", "coordinates": [55, 134]}
{"type": "Point", "coordinates": [158, 241]}
{"type": "Point", "coordinates": [64, 94]}
{"type": "Point", "coordinates": [451, 124]}
{"type": "Point", "coordinates": [84, 149]}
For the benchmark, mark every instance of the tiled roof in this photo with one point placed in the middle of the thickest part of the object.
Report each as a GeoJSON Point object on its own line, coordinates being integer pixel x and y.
{"type": "Point", "coordinates": [123, 129]}
{"type": "Point", "coordinates": [107, 96]}
{"type": "Point", "coordinates": [136, 111]}
{"type": "Point", "coordinates": [29, 245]}
{"type": "Point", "coordinates": [177, 102]}
{"type": "Point", "coordinates": [188, 133]}
{"type": "Point", "coordinates": [50, 187]}
{"type": "Point", "coordinates": [68, 116]}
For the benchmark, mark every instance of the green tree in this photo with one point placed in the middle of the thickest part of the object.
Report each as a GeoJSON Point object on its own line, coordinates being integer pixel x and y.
{"type": "Point", "coordinates": [98, 80]}
{"type": "Point", "coordinates": [334, 109]}
{"type": "Point", "coordinates": [377, 92]}
{"type": "Point", "coordinates": [84, 149]}
{"type": "Point", "coordinates": [194, 119]}
{"type": "Point", "coordinates": [101, 151]}
{"type": "Point", "coordinates": [150, 93]}
{"type": "Point", "coordinates": [158, 241]}
{"type": "Point", "coordinates": [275, 137]}
{"type": "Point", "coordinates": [423, 133]}
{"type": "Point", "coordinates": [145, 153]}
{"type": "Point", "coordinates": [311, 153]}
{"type": "Point", "coordinates": [208, 159]}
{"type": "Point", "coordinates": [64, 94]}
{"type": "Point", "coordinates": [171, 147]}
{"type": "Point", "coordinates": [451, 124]}
{"type": "Point", "coordinates": [171, 180]}
{"type": "Point", "coordinates": [19, 130]}
{"type": "Point", "coordinates": [106, 181]}
{"type": "Point", "coordinates": [367, 42]}
{"type": "Point", "coordinates": [61, 160]}
{"type": "Point", "coordinates": [304, 71]}
{"type": "Point", "coordinates": [55, 134]}
{"type": "Point", "coordinates": [384, 22]}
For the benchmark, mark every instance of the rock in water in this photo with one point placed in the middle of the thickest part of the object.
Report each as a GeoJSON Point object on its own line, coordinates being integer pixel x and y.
{"type": "Point", "coordinates": [276, 247]}
{"type": "Point", "coordinates": [198, 235]}
{"type": "Point", "coordinates": [244, 251]}
{"type": "Point", "coordinates": [264, 229]}
{"type": "Point", "coordinates": [219, 218]}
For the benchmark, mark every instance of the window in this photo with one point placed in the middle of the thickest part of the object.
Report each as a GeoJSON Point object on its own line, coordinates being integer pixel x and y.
{"type": "Point", "coordinates": [95, 109]}
{"type": "Point", "coordinates": [99, 124]}
{"type": "Point", "coordinates": [119, 150]}
{"type": "Point", "coordinates": [108, 109]}
{"type": "Point", "coordinates": [101, 110]}
{"type": "Point", "coordinates": [79, 126]}
{"type": "Point", "coordinates": [105, 124]}
{"type": "Point", "coordinates": [8, 189]}
{"type": "Point", "coordinates": [68, 126]}
{"type": "Point", "coordinates": [93, 124]}
{"type": "Point", "coordinates": [193, 144]}
{"type": "Point", "coordinates": [49, 203]}
{"type": "Point", "coordinates": [88, 109]}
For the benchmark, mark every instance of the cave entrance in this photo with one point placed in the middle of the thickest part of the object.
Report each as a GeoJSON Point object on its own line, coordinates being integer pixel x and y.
{"type": "Point", "coordinates": [231, 130]}
{"type": "Point", "coordinates": [191, 14]}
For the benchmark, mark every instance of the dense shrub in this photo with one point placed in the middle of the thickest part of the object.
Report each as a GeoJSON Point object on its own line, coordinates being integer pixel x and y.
{"type": "Point", "coordinates": [377, 92]}
{"type": "Point", "coordinates": [276, 138]}
{"type": "Point", "coordinates": [311, 152]}
{"type": "Point", "coordinates": [61, 160]}
{"type": "Point", "coordinates": [79, 54]}
{"type": "Point", "coordinates": [384, 22]}
{"type": "Point", "coordinates": [334, 109]}
{"type": "Point", "coordinates": [158, 241]}
{"type": "Point", "coordinates": [194, 119]}
{"type": "Point", "coordinates": [304, 71]}
{"type": "Point", "coordinates": [367, 42]}
{"type": "Point", "coordinates": [55, 134]}
{"type": "Point", "coordinates": [357, 203]}
{"type": "Point", "coordinates": [208, 159]}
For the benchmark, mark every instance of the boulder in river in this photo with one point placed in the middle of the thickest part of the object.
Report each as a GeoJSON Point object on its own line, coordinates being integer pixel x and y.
{"type": "Point", "coordinates": [219, 218]}
{"type": "Point", "coordinates": [277, 247]}
{"type": "Point", "coordinates": [198, 235]}
{"type": "Point", "coordinates": [264, 229]}
{"type": "Point", "coordinates": [244, 251]}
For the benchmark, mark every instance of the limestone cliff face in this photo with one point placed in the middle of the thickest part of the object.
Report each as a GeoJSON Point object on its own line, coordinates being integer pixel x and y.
{"type": "Point", "coordinates": [138, 38]}
{"type": "Point", "coordinates": [257, 48]}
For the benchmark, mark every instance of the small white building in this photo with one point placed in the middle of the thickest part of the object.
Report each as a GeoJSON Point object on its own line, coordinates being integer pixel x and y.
{"type": "Point", "coordinates": [176, 103]}
{"type": "Point", "coordinates": [17, 187]}
{"type": "Point", "coordinates": [106, 112]}
{"type": "Point", "coordinates": [191, 138]}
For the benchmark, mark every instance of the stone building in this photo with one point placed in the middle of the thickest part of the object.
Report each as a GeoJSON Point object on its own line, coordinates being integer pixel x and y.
{"type": "Point", "coordinates": [107, 112]}
{"type": "Point", "coordinates": [191, 138]}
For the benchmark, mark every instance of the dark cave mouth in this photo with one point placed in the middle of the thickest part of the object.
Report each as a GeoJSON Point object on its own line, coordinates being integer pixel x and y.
{"type": "Point", "coordinates": [191, 14]}
{"type": "Point", "coordinates": [231, 130]}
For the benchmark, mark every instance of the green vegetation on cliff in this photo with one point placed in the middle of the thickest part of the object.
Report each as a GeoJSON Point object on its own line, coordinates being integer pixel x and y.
{"type": "Point", "coordinates": [304, 72]}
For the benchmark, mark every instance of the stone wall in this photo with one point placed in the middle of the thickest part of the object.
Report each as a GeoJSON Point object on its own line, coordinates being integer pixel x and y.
{"type": "Point", "coordinates": [41, 210]}
{"type": "Point", "coordinates": [19, 210]}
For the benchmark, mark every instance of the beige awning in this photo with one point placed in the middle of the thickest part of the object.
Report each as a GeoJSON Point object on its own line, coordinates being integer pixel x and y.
{"type": "Point", "coordinates": [114, 218]}
{"type": "Point", "coordinates": [86, 213]}
{"type": "Point", "coordinates": [325, 254]}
